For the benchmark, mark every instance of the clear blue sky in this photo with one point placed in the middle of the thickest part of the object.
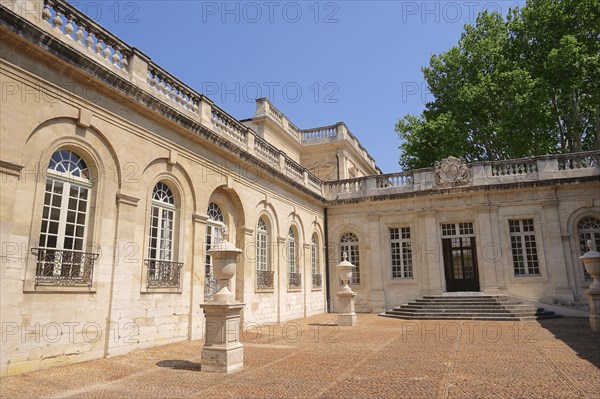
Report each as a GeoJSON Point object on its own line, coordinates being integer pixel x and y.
{"type": "Point", "coordinates": [318, 62]}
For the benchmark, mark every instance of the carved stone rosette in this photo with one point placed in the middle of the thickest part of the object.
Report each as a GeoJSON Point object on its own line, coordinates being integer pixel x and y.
{"type": "Point", "coordinates": [451, 172]}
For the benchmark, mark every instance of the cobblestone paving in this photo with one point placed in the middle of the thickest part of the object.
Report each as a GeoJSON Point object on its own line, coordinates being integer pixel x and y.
{"type": "Point", "coordinates": [379, 358]}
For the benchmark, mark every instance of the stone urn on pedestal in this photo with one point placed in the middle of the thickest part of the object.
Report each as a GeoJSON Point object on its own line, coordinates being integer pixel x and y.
{"type": "Point", "coordinates": [346, 315]}
{"type": "Point", "coordinates": [591, 261]}
{"type": "Point", "coordinates": [222, 351]}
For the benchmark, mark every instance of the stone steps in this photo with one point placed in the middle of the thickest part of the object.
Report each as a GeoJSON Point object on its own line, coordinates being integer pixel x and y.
{"type": "Point", "coordinates": [489, 307]}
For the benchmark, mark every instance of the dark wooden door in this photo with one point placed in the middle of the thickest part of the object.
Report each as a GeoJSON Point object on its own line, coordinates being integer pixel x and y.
{"type": "Point", "coordinates": [460, 264]}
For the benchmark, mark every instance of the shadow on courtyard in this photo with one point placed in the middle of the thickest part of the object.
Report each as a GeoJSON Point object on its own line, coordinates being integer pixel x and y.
{"type": "Point", "coordinates": [578, 335]}
{"type": "Point", "coordinates": [179, 365]}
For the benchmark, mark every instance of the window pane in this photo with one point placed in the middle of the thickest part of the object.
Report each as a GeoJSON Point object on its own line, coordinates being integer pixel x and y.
{"type": "Point", "coordinates": [523, 247]}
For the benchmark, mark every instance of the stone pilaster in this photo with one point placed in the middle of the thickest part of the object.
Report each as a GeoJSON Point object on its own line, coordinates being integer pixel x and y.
{"type": "Point", "coordinates": [553, 249]}
{"type": "Point", "coordinates": [489, 252]}
{"type": "Point", "coordinates": [431, 255]}
{"type": "Point", "coordinates": [281, 276]}
{"type": "Point", "coordinates": [378, 273]}
{"type": "Point", "coordinates": [196, 318]}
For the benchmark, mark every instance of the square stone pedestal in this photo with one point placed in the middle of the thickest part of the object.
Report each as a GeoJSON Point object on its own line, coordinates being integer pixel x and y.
{"type": "Point", "coordinates": [222, 351]}
{"type": "Point", "coordinates": [594, 299]}
{"type": "Point", "coordinates": [346, 316]}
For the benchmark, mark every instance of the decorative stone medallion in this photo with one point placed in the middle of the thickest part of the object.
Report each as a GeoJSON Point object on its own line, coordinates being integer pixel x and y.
{"type": "Point", "coordinates": [451, 172]}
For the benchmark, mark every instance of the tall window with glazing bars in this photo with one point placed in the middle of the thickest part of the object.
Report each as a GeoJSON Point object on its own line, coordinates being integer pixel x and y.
{"type": "Point", "coordinates": [588, 229]}
{"type": "Point", "coordinates": [294, 277]}
{"type": "Point", "coordinates": [523, 247]}
{"type": "Point", "coordinates": [216, 221]}
{"type": "Point", "coordinates": [317, 278]}
{"type": "Point", "coordinates": [264, 274]}
{"type": "Point", "coordinates": [162, 271]}
{"type": "Point", "coordinates": [61, 258]}
{"type": "Point", "coordinates": [349, 244]}
{"type": "Point", "coordinates": [402, 266]}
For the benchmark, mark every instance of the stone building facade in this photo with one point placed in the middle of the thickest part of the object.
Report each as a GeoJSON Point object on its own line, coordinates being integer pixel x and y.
{"type": "Point", "coordinates": [117, 176]}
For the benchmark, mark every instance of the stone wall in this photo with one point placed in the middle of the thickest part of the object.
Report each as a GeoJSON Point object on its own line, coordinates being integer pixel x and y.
{"type": "Point", "coordinates": [128, 150]}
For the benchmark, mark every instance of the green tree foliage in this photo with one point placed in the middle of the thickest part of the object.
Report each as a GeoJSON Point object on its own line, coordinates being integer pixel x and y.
{"type": "Point", "coordinates": [524, 86]}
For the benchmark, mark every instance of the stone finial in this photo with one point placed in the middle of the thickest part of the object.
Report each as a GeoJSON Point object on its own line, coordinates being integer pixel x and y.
{"type": "Point", "coordinates": [589, 245]}
{"type": "Point", "coordinates": [344, 256]}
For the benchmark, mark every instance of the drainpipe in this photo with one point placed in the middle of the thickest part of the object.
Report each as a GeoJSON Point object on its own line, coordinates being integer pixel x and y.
{"type": "Point", "coordinates": [326, 227]}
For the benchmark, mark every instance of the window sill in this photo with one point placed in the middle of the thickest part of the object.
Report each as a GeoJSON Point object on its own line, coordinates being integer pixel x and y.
{"type": "Point", "coordinates": [299, 289]}
{"type": "Point", "coordinates": [528, 279]}
{"type": "Point", "coordinates": [264, 290]}
{"type": "Point", "coordinates": [317, 289]}
{"type": "Point", "coordinates": [58, 289]}
{"type": "Point", "coordinates": [403, 281]}
{"type": "Point", "coordinates": [161, 291]}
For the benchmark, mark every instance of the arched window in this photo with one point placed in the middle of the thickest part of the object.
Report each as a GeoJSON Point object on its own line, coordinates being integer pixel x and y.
{"type": "Point", "coordinates": [213, 234]}
{"type": "Point", "coordinates": [162, 271]}
{"type": "Point", "coordinates": [61, 259]}
{"type": "Point", "coordinates": [264, 276]}
{"type": "Point", "coordinates": [262, 237]}
{"type": "Point", "coordinates": [294, 277]}
{"type": "Point", "coordinates": [588, 229]}
{"type": "Point", "coordinates": [314, 262]}
{"type": "Point", "coordinates": [349, 244]}
{"type": "Point", "coordinates": [162, 215]}
{"type": "Point", "coordinates": [214, 212]}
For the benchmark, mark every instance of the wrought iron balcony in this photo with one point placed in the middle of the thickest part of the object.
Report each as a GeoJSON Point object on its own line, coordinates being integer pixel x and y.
{"type": "Point", "coordinates": [317, 281]}
{"type": "Point", "coordinates": [63, 268]}
{"type": "Point", "coordinates": [163, 274]}
{"type": "Point", "coordinates": [264, 279]}
{"type": "Point", "coordinates": [294, 280]}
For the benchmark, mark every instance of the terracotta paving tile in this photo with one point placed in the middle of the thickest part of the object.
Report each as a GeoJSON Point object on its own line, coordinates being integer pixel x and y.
{"type": "Point", "coordinates": [379, 358]}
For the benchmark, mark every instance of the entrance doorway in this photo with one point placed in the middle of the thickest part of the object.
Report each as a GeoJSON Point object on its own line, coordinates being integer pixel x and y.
{"type": "Point", "coordinates": [460, 257]}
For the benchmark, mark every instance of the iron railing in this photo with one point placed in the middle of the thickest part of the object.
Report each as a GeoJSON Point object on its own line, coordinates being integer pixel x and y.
{"type": "Point", "coordinates": [294, 280]}
{"type": "Point", "coordinates": [163, 274]}
{"type": "Point", "coordinates": [211, 284]}
{"type": "Point", "coordinates": [264, 279]}
{"type": "Point", "coordinates": [317, 281]}
{"type": "Point", "coordinates": [63, 267]}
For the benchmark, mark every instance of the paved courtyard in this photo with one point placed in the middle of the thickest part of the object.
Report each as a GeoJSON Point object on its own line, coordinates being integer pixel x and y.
{"type": "Point", "coordinates": [380, 358]}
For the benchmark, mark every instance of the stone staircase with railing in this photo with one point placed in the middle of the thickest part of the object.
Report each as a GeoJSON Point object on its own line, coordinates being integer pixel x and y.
{"type": "Point", "coordinates": [468, 308]}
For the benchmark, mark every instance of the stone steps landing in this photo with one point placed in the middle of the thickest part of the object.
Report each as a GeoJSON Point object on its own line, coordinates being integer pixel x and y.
{"type": "Point", "coordinates": [485, 307]}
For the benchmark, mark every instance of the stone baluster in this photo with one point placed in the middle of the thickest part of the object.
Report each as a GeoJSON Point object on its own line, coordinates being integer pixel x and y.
{"type": "Point", "coordinates": [161, 84]}
{"type": "Point", "coordinates": [167, 87]}
{"type": "Point", "coordinates": [170, 91]}
{"type": "Point", "coordinates": [124, 61]}
{"type": "Point", "coordinates": [69, 29]}
{"type": "Point", "coordinates": [175, 93]}
{"type": "Point", "coordinates": [99, 46]}
{"type": "Point", "coordinates": [46, 14]}
{"type": "Point", "coordinates": [79, 35]}
{"type": "Point", "coordinates": [57, 21]}
{"type": "Point", "coordinates": [89, 40]}
{"type": "Point", "coordinates": [106, 52]}
{"type": "Point", "coordinates": [115, 57]}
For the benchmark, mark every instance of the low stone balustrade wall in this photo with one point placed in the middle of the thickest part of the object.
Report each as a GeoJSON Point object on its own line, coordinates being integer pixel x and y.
{"type": "Point", "coordinates": [457, 174]}
{"type": "Point", "coordinates": [76, 30]}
